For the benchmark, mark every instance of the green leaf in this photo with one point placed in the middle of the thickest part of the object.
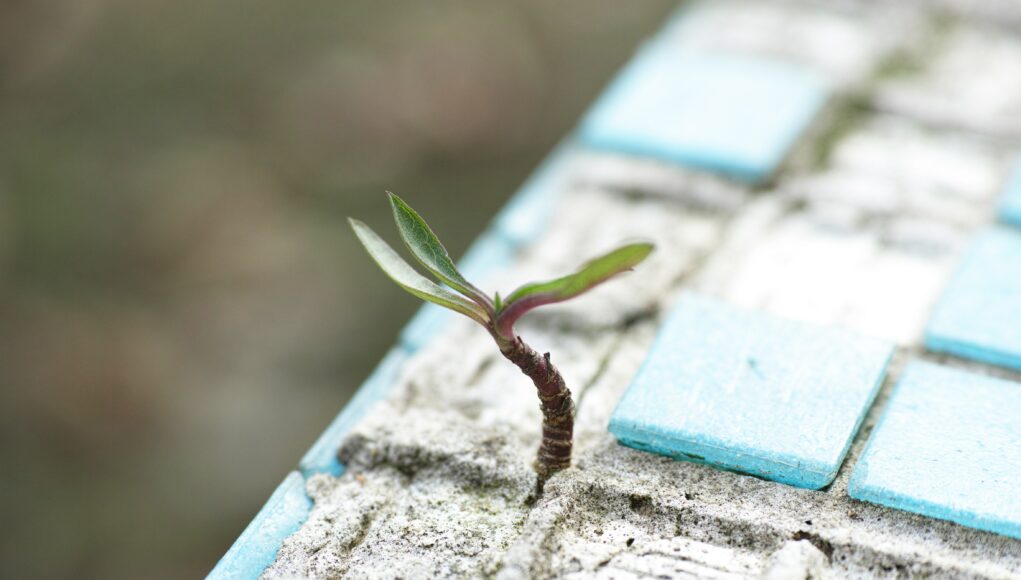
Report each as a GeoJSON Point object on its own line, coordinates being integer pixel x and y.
{"type": "Point", "coordinates": [428, 250]}
{"type": "Point", "coordinates": [590, 275]}
{"type": "Point", "coordinates": [410, 280]}
{"type": "Point", "coordinates": [593, 273]}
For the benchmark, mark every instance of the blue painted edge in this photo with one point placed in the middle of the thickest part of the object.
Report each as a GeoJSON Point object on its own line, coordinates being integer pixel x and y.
{"type": "Point", "coordinates": [288, 507]}
{"type": "Point", "coordinates": [428, 321]}
{"type": "Point", "coordinates": [717, 458]}
{"type": "Point", "coordinates": [859, 489]}
{"type": "Point", "coordinates": [257, 546]}
{"type": "Point", "coordinates": [322, 456]}
{"type": "Point", "coordinates": [971, 351]}
{"type": "Point", "coordinates": [488, 254]}
{"type": "Point", "coordinates": [1010, 203]}
{"type": "Point", "coordinates": [780, 469]}
{"type": "Point", "coordinates": [528, 212]}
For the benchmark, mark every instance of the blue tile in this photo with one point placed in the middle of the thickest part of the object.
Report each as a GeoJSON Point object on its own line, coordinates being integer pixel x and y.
{"type": "Point", "coordinates": [489, 254]}
{"type": "Point", "coordinates": [1010, 204]}
{"type": "Point", "coordinates": [979, 314]}
{"type": "Point", "coordinates": [736, 115]}
{"type": "Point", "coordinates": [751, 393]}
{"type": "Point", "coordinates": [527, 214]}
{"type": "Point", "coordinates": [257, 546]}
{"type": "Point", "coordinates": [948, 446]}
{"type": "Point", "coordinates": [322, 456]}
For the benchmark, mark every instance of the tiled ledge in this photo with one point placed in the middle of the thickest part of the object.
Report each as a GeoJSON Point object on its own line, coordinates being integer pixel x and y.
{"type": "Point", "coordinates": [871, 245]}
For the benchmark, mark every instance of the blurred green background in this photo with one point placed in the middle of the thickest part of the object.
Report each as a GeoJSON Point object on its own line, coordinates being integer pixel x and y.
{"type": "Point", "coordinates": [183, 306]}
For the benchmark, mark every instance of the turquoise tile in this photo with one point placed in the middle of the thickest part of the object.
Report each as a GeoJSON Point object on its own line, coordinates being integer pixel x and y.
{"type": "Point", "coordinates": [979, 314]}
{"type": "Point", "coordinates": [948, 446]}
{"type": "Point", "coordinates": [257, 546]}
{"type": "Point", "coordinates": [322, 456]}
{"type": "Point", "coordinates": [1010, 204]}
{"type": "Point", "coordinates": [751, 393]}
{"type": "Point", "coordinates": [487, 255]}
{"type": "Point", "coordinates": [736, 115]}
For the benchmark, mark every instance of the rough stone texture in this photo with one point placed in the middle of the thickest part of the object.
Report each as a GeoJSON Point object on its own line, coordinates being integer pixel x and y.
{"type": "Point", "coordinates": [869, 240]}
{"type": "Point", "coordinates": [796, 560]}
{"type": "Point", "coordinates": [844, 45]}
{"type": "Point", "coordinates": [460, 509]}
{"type": "Point", "coordinates": [454, 441]}
{"type": "Point", "coordinates": [861, 229]}
{"type": "Point", "coordinates": [405, 510]}
{"type": "Point", "coordinates": [930, 87]}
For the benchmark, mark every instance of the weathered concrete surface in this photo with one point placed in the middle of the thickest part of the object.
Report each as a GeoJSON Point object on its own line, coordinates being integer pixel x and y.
{"type": "Point", "coordinates": [861, 230]}
{"type": "Point", "coordinates": [438, 482]}
{"type": "Point", "coordinates": [423, 501]}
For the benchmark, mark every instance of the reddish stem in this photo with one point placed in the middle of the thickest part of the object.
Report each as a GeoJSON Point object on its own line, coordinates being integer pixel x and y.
{"type": "Point", "coordinates": [555, 402]}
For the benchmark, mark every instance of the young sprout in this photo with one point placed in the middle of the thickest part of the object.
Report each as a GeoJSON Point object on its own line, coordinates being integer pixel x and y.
{"type": "Point", "coordinates": [498, 315]}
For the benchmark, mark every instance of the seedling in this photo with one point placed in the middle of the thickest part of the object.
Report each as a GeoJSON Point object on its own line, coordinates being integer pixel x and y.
{"type": "Point", "coordinates": [498, 315]}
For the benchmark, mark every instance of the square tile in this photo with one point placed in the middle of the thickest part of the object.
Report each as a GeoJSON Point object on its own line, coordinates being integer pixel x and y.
{"type": "Point", "coordinates": [979, 314]}
{"type": "Point", "coordinates": [948, 446]}
{"type": "Point", "coordinates": [1010, 203]}
{"type": "Point", "coordinates": [751, 392]}
{"type": "Point", "coordinates": [736, 115]}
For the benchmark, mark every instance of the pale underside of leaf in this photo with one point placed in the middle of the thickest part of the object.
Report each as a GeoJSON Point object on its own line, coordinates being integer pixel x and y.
{"type": "Point", "coordinates": [429, 251]}
{"type": "Point", "coordinates": [410, 280]}
{"type": "Point", "coordinates": [590, 275]}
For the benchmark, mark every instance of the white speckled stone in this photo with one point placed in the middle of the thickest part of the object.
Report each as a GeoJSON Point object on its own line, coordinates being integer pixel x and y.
{"type": "Point", "coordinates": [878, 281]}
{"type": "Point", "coordinates": [971, 79]}
{"type": "Point", "coordinates": [946, 176]}
{"type": "Point", "coordinates": [845, 45]}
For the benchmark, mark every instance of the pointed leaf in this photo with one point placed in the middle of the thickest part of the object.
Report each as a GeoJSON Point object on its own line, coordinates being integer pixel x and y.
{"type": "Point", "coordinates": [428, 250]}
{"type": "Point", "coordinates": [590, 275]}
{"type": "Point", "coordinates": [410, 280]}
{"type": "Point", "coordinates": [587, 277]}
